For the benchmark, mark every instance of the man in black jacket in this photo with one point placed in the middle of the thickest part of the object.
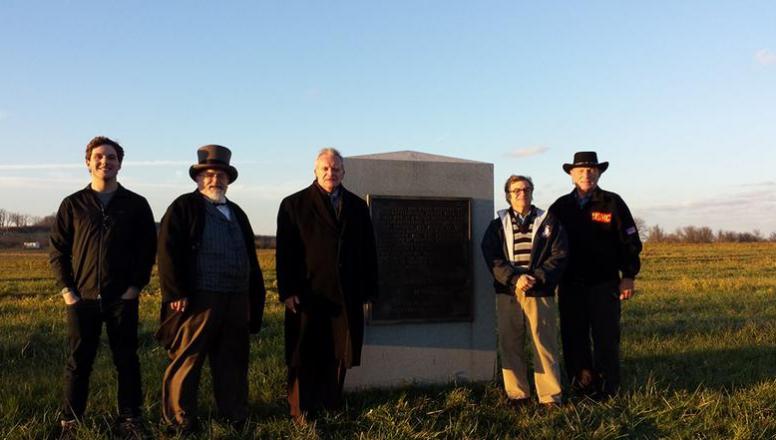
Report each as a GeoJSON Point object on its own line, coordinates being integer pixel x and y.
{"type": "Point", "coordinates": [526, 250]}
{"type": "Point", "coordinates": [212, 294]}
{"type": "Point", "coordinates": [604, 248]}
{"type": "Point", "coordinates": [103, 244]}
{"type": "Point", "coordinates": [327, 269]}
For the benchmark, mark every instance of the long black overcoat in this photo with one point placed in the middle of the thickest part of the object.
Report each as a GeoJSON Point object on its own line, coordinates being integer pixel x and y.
{"type": "Point", "coordinates": [329, 262]}
{"type": "Point", "coordinates": [180, 235]}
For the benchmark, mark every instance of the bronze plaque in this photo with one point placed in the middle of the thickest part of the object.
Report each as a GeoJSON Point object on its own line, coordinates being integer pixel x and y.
{"type": "Point", "coordinates": [423, 255]}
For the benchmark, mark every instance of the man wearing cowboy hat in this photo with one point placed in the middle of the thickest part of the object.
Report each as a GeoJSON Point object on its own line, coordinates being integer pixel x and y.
{"type": "Point", "coordinates": [604, 249]}
{"type": "Point", "coordinates": [212, 293]}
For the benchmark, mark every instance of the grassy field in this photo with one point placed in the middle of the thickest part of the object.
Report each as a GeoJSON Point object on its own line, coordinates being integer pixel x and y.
{"type": "Point", "coordinates": [699, 362]}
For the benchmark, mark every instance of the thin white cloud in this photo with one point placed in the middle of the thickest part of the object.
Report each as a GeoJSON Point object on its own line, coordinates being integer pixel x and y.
{"type": "Point", "coordinates": [7, 182]}
{"type": "Point", "coordinates": [757, 184]}
{"type": "Point", "coordinates": [528, 151]}
{"type": "Point", "coordinates": [45, 166]}
{"type": "Point", "coordinates": [60, 166]}
{"type": "Point", "coordinates": [765, 57]}
{"type": "Point", "coordinates": [126, 163]}
{"type": "Point", "coordinates": [256, 191]}
{"type": "Point", "coordinates": [741, 202]}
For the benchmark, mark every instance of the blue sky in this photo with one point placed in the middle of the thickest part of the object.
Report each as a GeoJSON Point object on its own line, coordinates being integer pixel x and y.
{"type": "Point", "coordinates": [680, 97]}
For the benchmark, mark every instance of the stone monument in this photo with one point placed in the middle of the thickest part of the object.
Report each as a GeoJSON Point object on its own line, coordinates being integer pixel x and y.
{"type": "Point", "coordinates": [435, 318]}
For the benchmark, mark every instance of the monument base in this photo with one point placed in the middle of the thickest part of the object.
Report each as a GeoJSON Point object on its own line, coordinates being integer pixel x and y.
{"type": "Point", "coordinates": [396, 366]}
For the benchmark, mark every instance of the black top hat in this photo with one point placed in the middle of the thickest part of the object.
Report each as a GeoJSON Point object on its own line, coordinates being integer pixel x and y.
{"type": "Point", "coordinates": [585, 159]}
{"type": "Point", "coordinates": [213, 157]}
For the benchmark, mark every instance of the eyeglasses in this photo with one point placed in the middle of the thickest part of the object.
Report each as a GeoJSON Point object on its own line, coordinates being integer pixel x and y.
{"type": "Point", "coordinates": [220, 175]}
{"type": "Point", "coordinates": [520, 190]}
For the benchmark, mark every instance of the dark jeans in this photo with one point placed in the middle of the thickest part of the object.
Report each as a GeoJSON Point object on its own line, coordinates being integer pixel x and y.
{"type": "Point", "coordinates": [585, 312]}
{"type": "Point", "coordinates": [84, 325]}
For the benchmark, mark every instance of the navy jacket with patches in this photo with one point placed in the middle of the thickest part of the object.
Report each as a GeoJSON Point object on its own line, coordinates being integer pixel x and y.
{"type": "Point", "coordinates": [604, 243]}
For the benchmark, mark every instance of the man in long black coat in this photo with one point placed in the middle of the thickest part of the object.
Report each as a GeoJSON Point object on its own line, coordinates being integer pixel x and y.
{"type": "Point", "coordinates": [212, 294]}
{"type": "Point", "coordinates": [326, 271]}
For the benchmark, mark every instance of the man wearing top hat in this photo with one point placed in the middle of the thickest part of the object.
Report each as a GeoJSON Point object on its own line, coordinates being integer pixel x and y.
{"type": "Point", "coordinates": [604, 249]}
{"type": "Point", "coordinates": [212, 293]}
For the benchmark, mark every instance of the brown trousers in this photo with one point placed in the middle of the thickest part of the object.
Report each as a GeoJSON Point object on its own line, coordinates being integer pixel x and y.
{"type": "Point", "coordinates": [216, 326]}
{"type": "Point", "coordinates": [311, 387]}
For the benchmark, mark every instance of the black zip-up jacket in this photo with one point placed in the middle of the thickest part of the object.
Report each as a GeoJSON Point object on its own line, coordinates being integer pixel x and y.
{"type": "Point", "coordinates": [604, 243]}
{"type": "Point", "coordinates": [549, 252]}
{"type": "Point", "coordinates": [180, 236]}
{"type": "Point", "coordinates": [102, 251]}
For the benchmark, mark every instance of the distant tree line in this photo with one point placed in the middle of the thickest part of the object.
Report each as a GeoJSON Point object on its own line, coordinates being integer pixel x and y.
{"type": "Point", "coordinates": [16, 228]}
{"type": "Point", "coordinates": [699, 234]}
{"type": "Point", "coordinates": [23, 227]}
{"type": "Point", "coordinates": [10, 219]}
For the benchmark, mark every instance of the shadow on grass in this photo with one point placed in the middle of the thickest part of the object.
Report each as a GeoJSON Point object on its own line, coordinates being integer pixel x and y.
{"type": "Point", "coordinates": [715, 369]}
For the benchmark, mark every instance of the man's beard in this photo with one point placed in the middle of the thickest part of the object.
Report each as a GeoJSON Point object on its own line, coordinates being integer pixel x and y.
{"type": "Point", "coordinates": [215, 194]}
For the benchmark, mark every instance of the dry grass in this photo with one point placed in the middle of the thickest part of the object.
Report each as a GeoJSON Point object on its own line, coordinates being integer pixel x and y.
{"type": "Point", "coordinates": [699, 361]}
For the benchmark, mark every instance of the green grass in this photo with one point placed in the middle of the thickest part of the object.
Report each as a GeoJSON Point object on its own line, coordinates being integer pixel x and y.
{"type": "Point", "coordinates": [699, 362]}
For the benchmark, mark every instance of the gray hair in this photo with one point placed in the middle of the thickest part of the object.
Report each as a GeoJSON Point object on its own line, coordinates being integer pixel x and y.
{"type": "Point", "coordinates": [329, 150]}
{"type": "Point", "coordinates": [516, 178]}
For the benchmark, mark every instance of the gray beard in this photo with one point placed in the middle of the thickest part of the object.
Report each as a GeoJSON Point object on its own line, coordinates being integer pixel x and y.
{"type": "Point", "coordinates": [216, 197]}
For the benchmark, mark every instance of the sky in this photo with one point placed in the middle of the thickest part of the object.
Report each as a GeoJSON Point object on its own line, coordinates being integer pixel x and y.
{"type": "Point", "coordinates": [678, 96]}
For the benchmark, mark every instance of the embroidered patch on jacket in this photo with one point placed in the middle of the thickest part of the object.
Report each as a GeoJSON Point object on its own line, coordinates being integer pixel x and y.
{"type": "Point", "coordinates": [602, 217]}
{"type": "Point", "coordinates": [631, 230]}
{"type": "Point", "coordinates": [547, 231]}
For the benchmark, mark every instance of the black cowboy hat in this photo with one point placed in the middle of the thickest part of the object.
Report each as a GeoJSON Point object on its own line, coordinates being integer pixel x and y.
{"type": "Point", "coordinates": [212, 157]}
{"type": "Point", "coordinates": [585, 159]}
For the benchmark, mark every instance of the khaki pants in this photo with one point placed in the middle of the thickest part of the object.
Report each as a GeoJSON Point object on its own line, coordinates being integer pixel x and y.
{"type": "Point", "coordinates": [216, 327]}
{"type": "Point", "coordinates": [539, 315]}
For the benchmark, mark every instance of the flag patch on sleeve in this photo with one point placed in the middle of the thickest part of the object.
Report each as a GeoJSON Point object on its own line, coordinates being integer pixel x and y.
{"type": "Point", "coordinates": [631, 230]}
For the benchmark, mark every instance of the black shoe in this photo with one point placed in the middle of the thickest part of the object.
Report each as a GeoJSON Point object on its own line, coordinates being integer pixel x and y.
{"type": "Point", "coordinates": [182, 429]}
{"type": "Point", "coordinates": [132, 428]}
{"type": "Point", "coordinates": [519, 404]}
{"type": "Point", "coordinates": [238, 425]}
{"type": "Point", "coordinates": [67, 429]}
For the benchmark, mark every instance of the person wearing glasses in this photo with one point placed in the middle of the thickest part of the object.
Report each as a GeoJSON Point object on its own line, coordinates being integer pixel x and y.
{"type": "Point", "coordinates": [526, 250]}
{"type": "Point", "coordinates": [212, 295]}
{"type": "Point", "coordinates": [604, 246]}
{"type": "Point", "coordinates": [103, 245]}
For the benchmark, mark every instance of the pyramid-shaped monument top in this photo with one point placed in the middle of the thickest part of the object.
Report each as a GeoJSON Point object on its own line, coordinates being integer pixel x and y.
{"type": "Point", "coordinates": [412, 156]}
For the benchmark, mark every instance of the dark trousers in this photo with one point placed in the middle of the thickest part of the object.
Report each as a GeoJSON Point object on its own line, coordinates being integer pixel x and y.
{"type": "Point", "coordinates": [215, 327]}
{"type": "Point", "coordinates": [591, 312]}
{"type": "Point", "coordinates": [84, 326]}
{"type": "Point", "coordinates": [316, 386]}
